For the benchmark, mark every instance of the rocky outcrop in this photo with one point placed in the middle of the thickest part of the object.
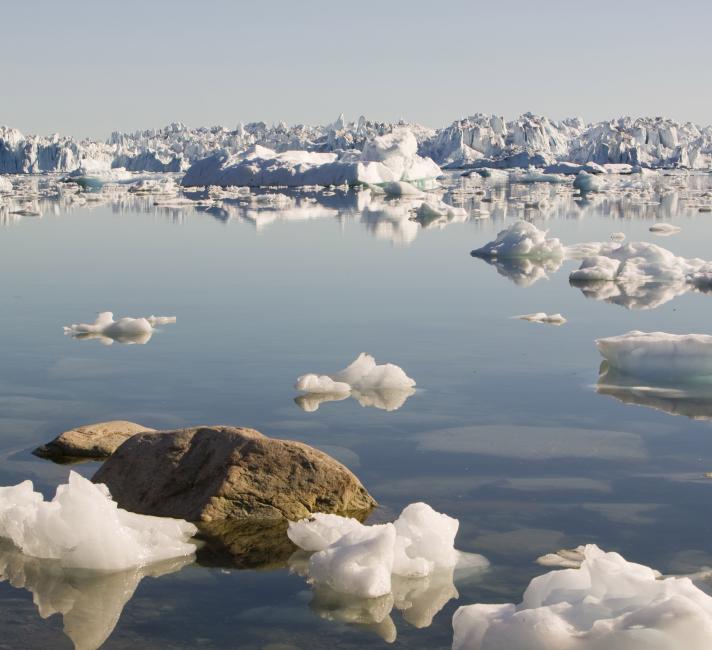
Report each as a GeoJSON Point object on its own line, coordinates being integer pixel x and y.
{"type": "Point", "coordinates": [96, 441]}
{"type": "Point", "coordinates": [209, 474]}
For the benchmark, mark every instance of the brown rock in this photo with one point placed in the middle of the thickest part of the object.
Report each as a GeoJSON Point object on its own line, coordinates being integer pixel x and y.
{"type": "Point", "coordinates": [207, 474]}
{"type": "Point", "coordinates": [98, 440]}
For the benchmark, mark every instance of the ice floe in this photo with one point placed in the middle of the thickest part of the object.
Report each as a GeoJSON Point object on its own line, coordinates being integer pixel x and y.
{"type": "Point", "coordinates": [542, 317]}
{"type": "Point", "coordinates": [659, 355]}
{"type": "Point", "coordinates": [664, 229]}
{"type": "Point", "coordinates": [124, 330]}
{"type": "Point", "coordinates": [360, 560]}
{"type": "Point", "coordinates": [385, 386]}
{"type": "Point", "coordinates": [586, 182]}
{"type": "Point", "coordinates": [82, 527]}
{"type": "Point", "coordinates": [607, 602]}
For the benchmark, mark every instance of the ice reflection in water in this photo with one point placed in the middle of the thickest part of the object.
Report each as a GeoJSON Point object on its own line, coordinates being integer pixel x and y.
{"type": "Point", "coordinates": [90, 602]}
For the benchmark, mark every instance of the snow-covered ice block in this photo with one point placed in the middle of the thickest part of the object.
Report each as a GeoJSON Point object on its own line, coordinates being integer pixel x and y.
{"type": "Point", "coordinates": [523, 239]}
{"type": "Point", "coordinates": [658, 355]}
{"type": "Point", "coordinates": [321, 530]}
{"type": "Point", "coordinates": [607, 603]}
{"type": "Point", "coordinates": [124, 330]}
{"type": "Point", "coordinates": [82, 527]}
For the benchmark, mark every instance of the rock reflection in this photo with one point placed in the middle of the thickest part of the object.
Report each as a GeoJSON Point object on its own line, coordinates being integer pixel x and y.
{"type": "Point", "coordinates": [90, 602]}
{"type": "Point", "coordinates": [693, 400]}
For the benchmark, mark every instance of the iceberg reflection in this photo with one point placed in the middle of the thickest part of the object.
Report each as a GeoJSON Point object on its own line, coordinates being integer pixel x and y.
{"type": "Point", "coordinates": [90, 602]}
{"type": "Point", "coordinates": [693, 400]}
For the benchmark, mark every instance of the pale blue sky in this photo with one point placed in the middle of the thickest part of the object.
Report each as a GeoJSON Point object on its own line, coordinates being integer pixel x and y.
{"type": "Point", "coordinates": [88, 67]}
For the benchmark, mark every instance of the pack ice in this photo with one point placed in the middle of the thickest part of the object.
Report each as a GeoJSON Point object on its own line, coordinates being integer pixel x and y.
{"type": "Point", "coordinates": [82, 527]}
{"type": "Point", "coordinates": [658, 355]}
{"type": "Point", "coordinates": [124, 330]}
{"type": "Point", "coordinates": [384, 386]}
{"type": "Point", "coordinates": [352, 558]}
{"type": "Point", "coordinates": [387, 159]}
{"type": "Point", "coordinates": [608, 603]}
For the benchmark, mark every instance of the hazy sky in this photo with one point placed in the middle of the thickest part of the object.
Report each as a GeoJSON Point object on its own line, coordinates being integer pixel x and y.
{"type": "Point", "coordinates": [89, 67]}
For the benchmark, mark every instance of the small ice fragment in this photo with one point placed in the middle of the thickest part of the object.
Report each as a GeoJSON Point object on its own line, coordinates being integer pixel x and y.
{"type": "Point", "coordinates": [664, 229]}
{"type": "Point", "coordinates": [311, 383]}
{"type": "Point", "coordinates": [522, 240]}
{"type": "Point", "coordinates": [124, 330]}
{"type": "Point", "coordinates": [617, 236]}
{"type": "Point", "coordinates": [542, 317]}
{"type": "Point", "coordinates": [585, 182]}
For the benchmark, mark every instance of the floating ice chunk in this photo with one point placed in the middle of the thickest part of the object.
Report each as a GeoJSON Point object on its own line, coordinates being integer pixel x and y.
{"type": "Point", "coordinates": [5, 185]}
{"type": "Point", "coordinates": [664, 229]}
{"type": "Point", "coordinates": [82, 527]}
{"type": "Point", "coordinates": [431, 210]}
{"type": "Point", "coordinates": [586, 182]}
{"type": "Point", "coordinates": [618, 236]}
{"type": "Point", "coordinates": [321, 530]}
{"type": "Point", "coordinates": [125, 330]}
{"type": "Point", "coordinates": [90, 602]}
{"type": "Point", "coordinates": [606, 603]}
{"type": "Point", "coordinates": [362, 365]}
{"type": "Point", "coordinates": [425, 540]}
{"type": "Point", "coordinates": [154, 186]}
{"type": "Point", "coordinates": [535, 176]}
{"type": "Point", "coordinates": [359, 563]}
{"type": "Point", "coordinates": [542, 317]}
{"type": "Point", "coordinates": [565, 558]}
{"type": "Point", "coordinates": [312, 383]}
{"type": "Point", "coordinates": [522, 240]}
{"type": "Point", "coordinates": [356, 559]}
{"type": "Point", "coordinates": [384, 386]}
{"type": "Point", "coordinates": [596, 269]}
{"type": "Point", "coordinates": [401, 188]}
{"type": "Point", "coordinates": [658, 355]}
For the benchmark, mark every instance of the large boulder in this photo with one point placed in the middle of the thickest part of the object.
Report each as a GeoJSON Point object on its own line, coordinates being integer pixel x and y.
{"type": "Point", "coordinates": [209, 474]}
{"type": "Point", "coordinates": [96, 441]}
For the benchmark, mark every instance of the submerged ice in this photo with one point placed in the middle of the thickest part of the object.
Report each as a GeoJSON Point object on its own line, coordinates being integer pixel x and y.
{"type": "Point", "coordinates": [607, 602]}
{"type": "Point", "coordinates": [82, 527]}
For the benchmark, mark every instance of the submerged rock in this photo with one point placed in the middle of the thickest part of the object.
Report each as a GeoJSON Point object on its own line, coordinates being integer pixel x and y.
{"type": "Point", "coordinates": [98, 440]}
{"type": "Point", "coordinates": [207, 474]}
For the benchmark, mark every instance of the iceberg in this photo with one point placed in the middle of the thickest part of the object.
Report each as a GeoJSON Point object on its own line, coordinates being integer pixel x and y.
{"type": "Point", "coordinates": [359, 560]}
{"type": "Point", "coordinates": [83, 528]}
{"type": "Point", "coordinates": [388, 160]}
{"type": "Point", "coordinates": [658, 355]}
{"type": "Point", "coordinates": [607, 602]}
{"type": "Point", "coordinates": [125, 330]}
{"type": "Point", "coordinates": [385, 386]}
{"type": "Point", "coordinates": [522, 240]}
{"type": "Point", "coordinates": [585, 182]}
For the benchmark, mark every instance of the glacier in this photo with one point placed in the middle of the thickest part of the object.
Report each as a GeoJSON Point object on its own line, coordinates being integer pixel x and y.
{"type": "Point", "coordinates": [567, 146]}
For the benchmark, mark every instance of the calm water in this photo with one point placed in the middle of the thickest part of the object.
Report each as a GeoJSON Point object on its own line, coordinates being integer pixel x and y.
{"type": "Point", "coordinates": [506, 431]}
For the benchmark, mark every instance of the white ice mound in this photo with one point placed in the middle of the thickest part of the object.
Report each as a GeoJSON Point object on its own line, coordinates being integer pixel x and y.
{"type": "Point", "coordinates": [658, 355]}
{"type": "Point", "coordinates": [606, 604]}
{"type": "Point", "coordinates": [384, 386]}
{"type": "Point", "coordinates": [356, 559]}
{"type": "Point", "coordinates": [82, 527]}
{"type": "Point", "coordinates": [522, 240]}
{"type": "Point", "coordinates": [386, 159]}
{"type": "Point", "coordinates": [585, 182]}
{"type": "Point", "coordinates": [124, 330]}
{"type": "Point", "coordinates": [543, 317]}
